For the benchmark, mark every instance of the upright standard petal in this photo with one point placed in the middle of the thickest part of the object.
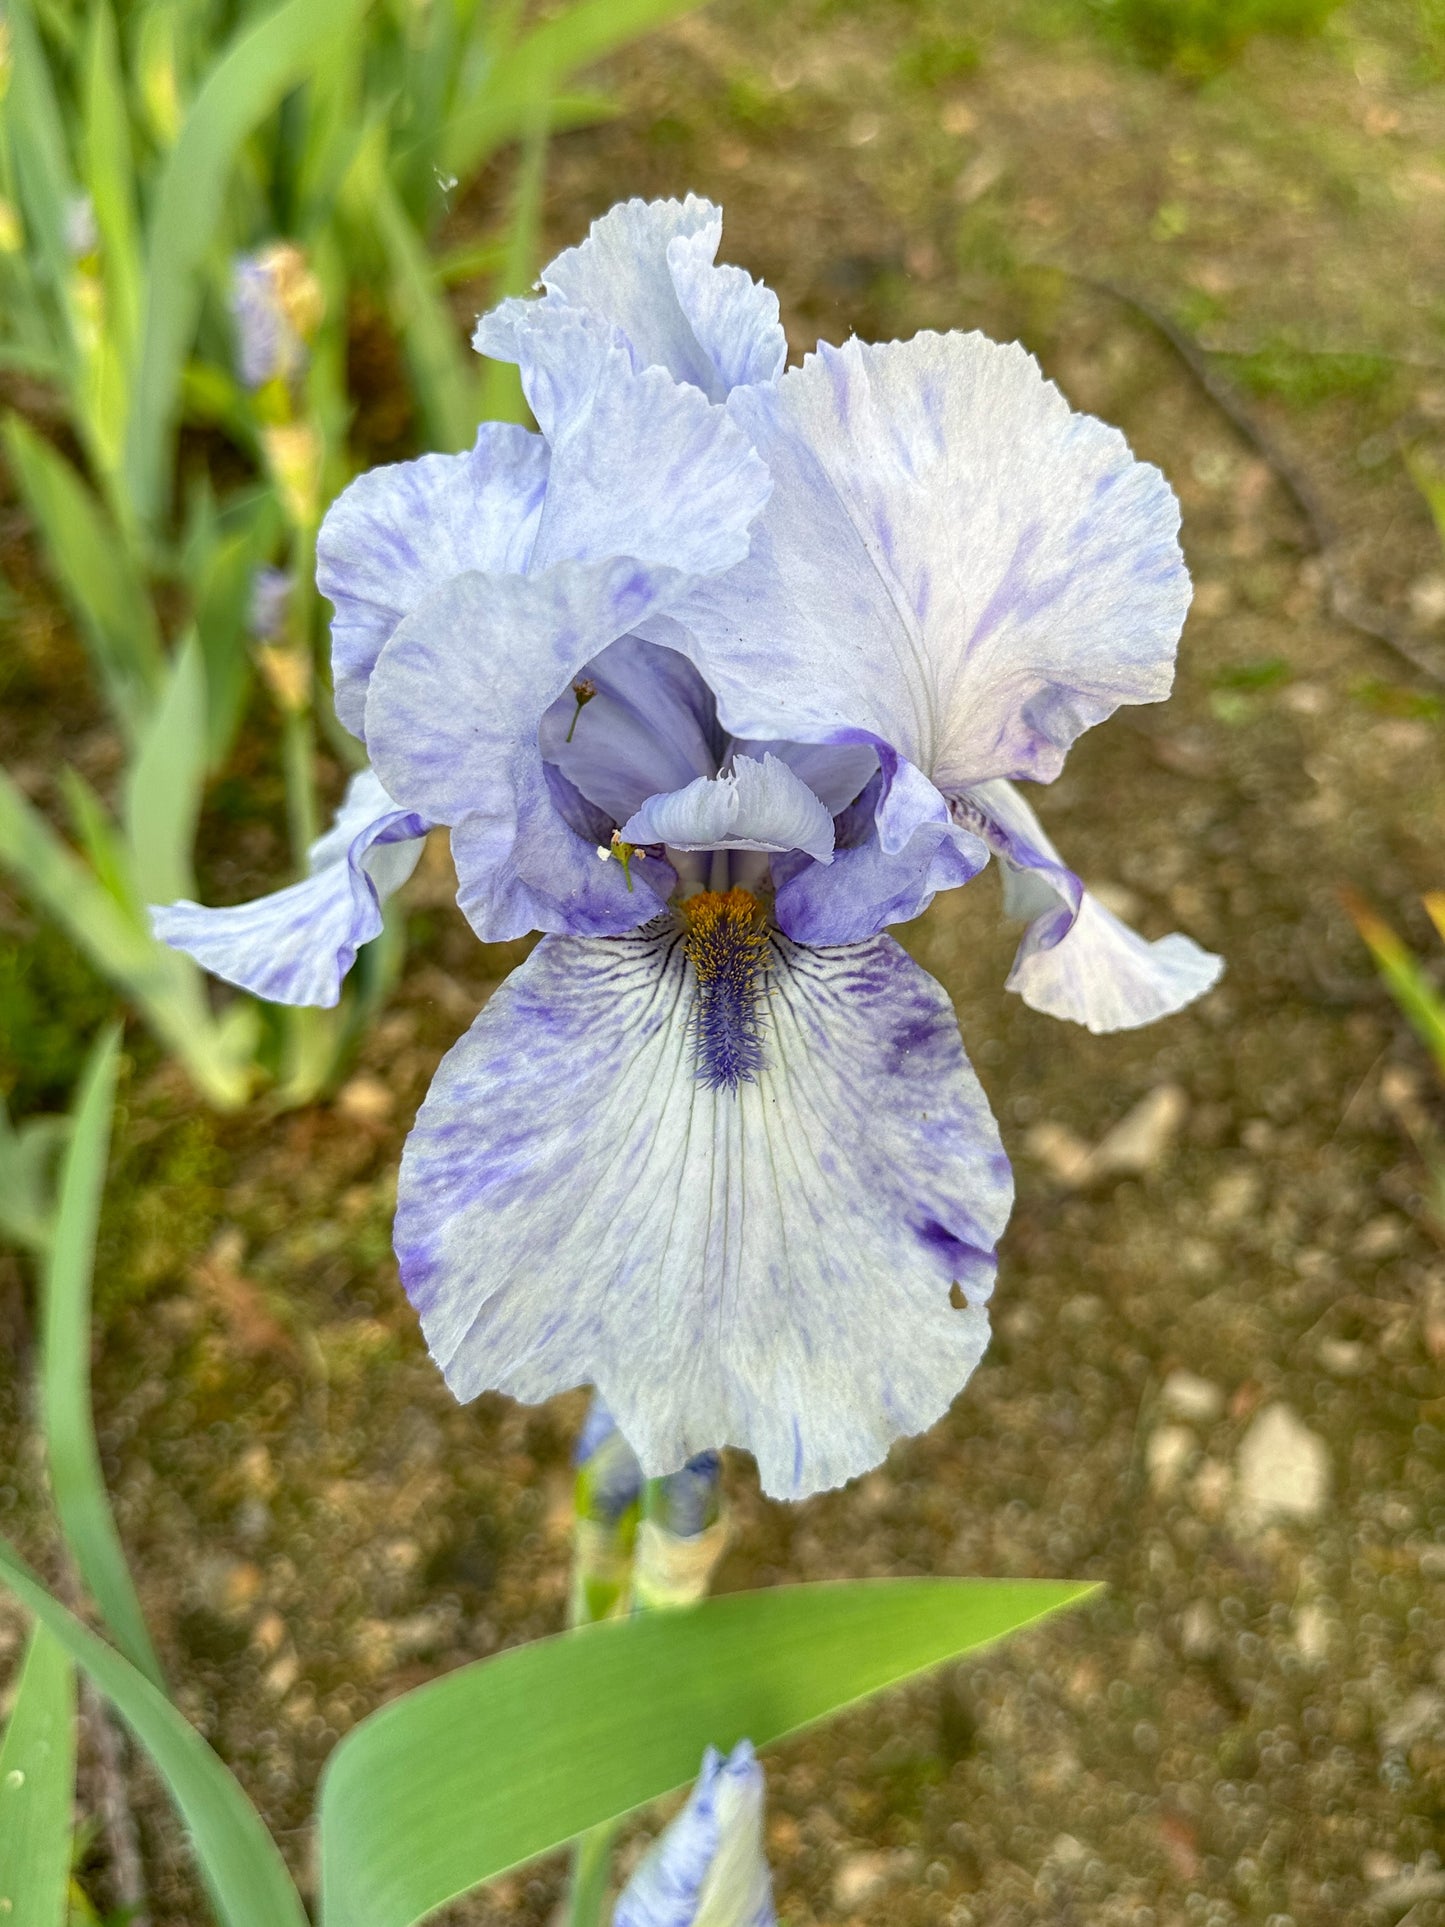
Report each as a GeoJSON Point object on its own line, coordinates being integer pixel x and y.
{"type": "Point", "coordinates": [398, 533]}
{"type": "Point", "coordinates": [641, 465]}
{"type": "Point", "coordinates": [650, 487]}
{"type": "Point", "coordinates": [766, 1182]}
{"type": "Point", "coordinates": [296, 946]}
{"type": "Point", "coordinates": [752, 806]}
{"type": "Point", "coordinates": [708, 1868]}
{"type": "Point", "coordinates": [1077, 960]}
{"type": "Point", "coordinates": [648, 269]}
{"type": "Point", "coordinates": [952, 563]}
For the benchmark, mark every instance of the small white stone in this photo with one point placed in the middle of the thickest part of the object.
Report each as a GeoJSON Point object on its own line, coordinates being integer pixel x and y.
{"type": "Point", "coordinates": [1190, 1397]}
{"type": "Point", "coordinates": [1198, 1629]}
{"type": "Point", "coordinates": [1312, 1632]}
{"type": "Point", "coordinates": [859, 1877]}
{"type": "Point", "coordinates": [1422, 1717]}
{"type": "Point", "coordinates": [1345, 1357]}
{"type": "Point", "coordinates": [1143, 1135]}
{"type": "Point", "coordinates": [1169, 1450]}
{"type": "Point", "coordinates": [1283, 1468]}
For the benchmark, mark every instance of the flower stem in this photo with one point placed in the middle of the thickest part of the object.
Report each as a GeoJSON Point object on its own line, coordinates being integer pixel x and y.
{"type": "Point", "coordinates": [591, 1866]}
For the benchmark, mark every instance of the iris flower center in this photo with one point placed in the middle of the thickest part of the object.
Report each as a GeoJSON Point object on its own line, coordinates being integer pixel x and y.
{"type": "Point", "coordinates": [725, 939]}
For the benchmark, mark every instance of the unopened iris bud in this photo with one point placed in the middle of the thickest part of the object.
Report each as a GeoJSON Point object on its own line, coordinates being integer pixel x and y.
{"type": "Point", "coordinates": [277, 306]}
{"type": "Point", "coordinates": [270, 598]}
{"type": "Point", "coordinates": [293, 453]}
{"type": "Point", "coordinates": [682, 1536]}
{"type": "Point", "coordinates": [608, 1497]}
{"type": "Point", "coordinates": [708, 1868]}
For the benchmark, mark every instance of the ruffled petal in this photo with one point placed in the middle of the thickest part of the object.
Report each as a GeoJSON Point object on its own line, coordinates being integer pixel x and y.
{"type": "Point", "coordinates": [837, 774]}
{"type": "Point", "coordinates": [1077, 960]}
{"type": "Point", "coordinates": [641, 465]}
{"type": "Point", "coordinates": [752, 806]}
{"type": "Point", "coordinates": [708, 1868]}
{"type": "Point", "coordinates": [952, 562]}
{"type": "Point", "coordinates": [866, 888]}
{"type": "Point", "coordinates": [397, 533]}
{"type": "Point", "coordinates": [647, 269]}
{"type": "Point", "coordinates": [296, 946]}
{"type": "Point", "coordinates": [798, 1264]}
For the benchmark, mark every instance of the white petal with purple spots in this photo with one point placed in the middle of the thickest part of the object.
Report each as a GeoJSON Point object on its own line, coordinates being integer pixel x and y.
{"type": "Point", "coordinates": [952, 563]}
{"type": "Point", "coordinates": [296, 945]}
{"type": "Point", "coordinates": [1077, 960]}
{"type": "Point", "coordinates": [647, 268]}
{"type": "Point", "coordinates": [798, 1265]}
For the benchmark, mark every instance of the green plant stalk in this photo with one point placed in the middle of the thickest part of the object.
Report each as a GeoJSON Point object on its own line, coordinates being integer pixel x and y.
{"type": "Point", "coordinates": [76, 1479]}
{"type": "Point", "coordinates": [37, 1788]}
{"type": "Point", "coordinates": [298, 750]}
{"type": "Point", "coordinates": [501, 388]}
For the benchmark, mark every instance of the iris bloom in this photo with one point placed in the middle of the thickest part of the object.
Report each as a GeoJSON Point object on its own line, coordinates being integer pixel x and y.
{"type": "Point", "coordinates": [707, 1868]}
{"type": "Point", "coordinates": [712, 680]}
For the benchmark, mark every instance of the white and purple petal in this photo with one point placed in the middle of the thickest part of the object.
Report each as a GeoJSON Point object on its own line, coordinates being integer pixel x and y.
{"type": "Point", "coordinates": [708, 1868]}
{"type": "Point", "coordinates": [451, 718]}
{"type": "Point", "coordinates": [952, 563]}
{"type": "Point", "coordinates": [1077, 959]}
{"type": "Point", "coordinates": [296, 945]}
{"type": "Point", "coordinates": [648, 269]}
{"type": "Point", "coordinates": [866, 888]}
{"type": "Point", "coordinates": [750, 806]}
{"type": "Point", "coordinates": [797, 1262]}
{"type": "Point", "coordinates": [398, 533]}
{"type": "Point", "coordinates": [640, 720]}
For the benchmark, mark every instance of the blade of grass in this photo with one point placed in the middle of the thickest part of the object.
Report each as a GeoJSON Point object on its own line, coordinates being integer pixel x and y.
{"type": "Point", "coordinates": [445, 383]}
{"type": "Point", "coordinates": [458, 1780]}
{"type": "Point", "coordinates": [110, 177]}
{"type": "Point", "coordinates": [502, 398]}
{"type": "Point", "coordinates": [526, 74]}
{"type": "Point", "coordinates": [76, 1479]}
{"type": "Point", "coordinates": [165, 986]}
{"type": "Point", "coordinates": [37, 1788]}
{"type": "Point", "coordinates": [243, 1871]}
{"type": "Point", "coordinates": [164, 782]}
{"type": "Point", "coordinates": [260, 65]}
{"type": "Point", "coordinates": [94, 571]}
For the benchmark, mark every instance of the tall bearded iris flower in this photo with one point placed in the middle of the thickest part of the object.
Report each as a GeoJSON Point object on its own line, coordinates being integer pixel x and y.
{"type": "Point", "coordinates": [714, 679]}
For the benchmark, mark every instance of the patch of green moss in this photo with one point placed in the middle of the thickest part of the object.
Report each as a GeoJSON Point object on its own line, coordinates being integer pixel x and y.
{"type": "Point", "coordinates": [51, 1006]}
{"type": "Point", "coordinates": [1198, 38]}
{"type": "Point", "coordinates": [160, 1215]}
{"type": "Point", "coordinates": [1301, 377]}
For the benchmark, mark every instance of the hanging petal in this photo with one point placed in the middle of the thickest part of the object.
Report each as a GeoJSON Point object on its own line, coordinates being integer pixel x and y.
{"type": "Point", "coordinates": [796, 1262]}
{"type": "Point", "coordinates": [752, 806]}
{"type": "Point", "coordinates": [296, 946]}
{"type": "Point", "coordinates": [647, 269]}
{"type": "Point", "coordinates": [708, 1868]}
{"type": "Point", "coordinates": [397, 533]}
{"type": "Point", "coordinates": [952, 563]}
{"type": "Point", "coordinates": [1077, 960]}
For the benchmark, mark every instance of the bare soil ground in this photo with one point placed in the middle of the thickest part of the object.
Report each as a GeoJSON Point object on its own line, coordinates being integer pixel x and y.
{"type": "Point", "coordinates": [1249, 1724]}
